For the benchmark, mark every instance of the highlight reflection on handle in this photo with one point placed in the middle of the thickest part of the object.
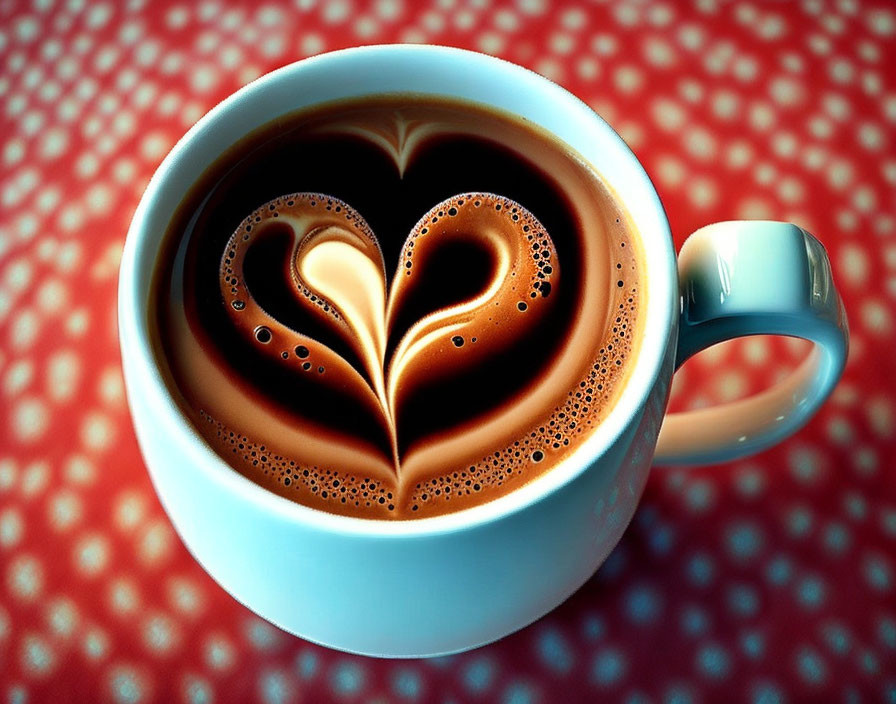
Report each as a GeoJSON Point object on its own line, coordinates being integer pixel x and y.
{"type": "Point", "coordinates": [755, 278]}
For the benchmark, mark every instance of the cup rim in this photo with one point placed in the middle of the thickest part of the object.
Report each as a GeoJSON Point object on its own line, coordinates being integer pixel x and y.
{"type": "Point", "coordinates": [660, 273]}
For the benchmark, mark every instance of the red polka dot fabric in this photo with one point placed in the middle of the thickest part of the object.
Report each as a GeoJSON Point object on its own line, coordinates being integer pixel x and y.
{"type": "Point", "coordinates": [772, 579]}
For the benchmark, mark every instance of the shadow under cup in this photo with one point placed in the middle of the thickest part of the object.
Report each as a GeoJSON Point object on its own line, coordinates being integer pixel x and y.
{"type": "Point", "coordinates": [418, 587]}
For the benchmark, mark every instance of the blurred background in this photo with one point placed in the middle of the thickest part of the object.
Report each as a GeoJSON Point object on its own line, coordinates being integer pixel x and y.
{"type": "Point", "coordinates": [766, 580]}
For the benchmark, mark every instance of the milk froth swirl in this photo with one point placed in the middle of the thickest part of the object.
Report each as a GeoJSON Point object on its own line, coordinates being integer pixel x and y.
{"type": "Point", "coordinates": [336, 271]}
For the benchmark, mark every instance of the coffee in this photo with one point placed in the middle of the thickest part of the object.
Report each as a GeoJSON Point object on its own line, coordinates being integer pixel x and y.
{"type": "Point", "coordinates": [397, 307]}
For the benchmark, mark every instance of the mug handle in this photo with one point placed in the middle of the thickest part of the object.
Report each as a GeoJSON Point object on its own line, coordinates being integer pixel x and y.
{"type": "Point", "coordinates": [754, 278]}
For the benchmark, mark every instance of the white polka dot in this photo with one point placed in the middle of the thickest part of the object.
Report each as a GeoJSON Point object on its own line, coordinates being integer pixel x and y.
{"type": "Point", "coordinates": [36, 656]}
{"type": "Point", "coordinates": [204, 78]}
{"type": "Point", "coordinates": [784, 144]}
{"type": "Point", "coordinates": [35, 478]}
{"type": "Point", "coordinates": [26, 29]}
{"type": "Point", "coordinates": [98, 15]}
{"type": "Point", "coordinates": [604, 44]}
{"type": "Point", "coordinates": [311, 44]}
{"type": "Point", "coordinates": [172, 62]}
{"type": "Point", "coordinates": [126, 685]}
{"type": "Point", "coordinates": [123, 596]}
{"type": "Point", "coordinates": [71, 218]}
{"type": "Point", "coordinates": [8, 474]}
{"type": "Point", "coordinates": [77, 322]}
{"type": "Point", "coordinates": [700, 143]}
{"type": "Point", "coordinates": [786, 91]}
{"type": "Point", "coordinates": [389, 10]}
{"type": "Point", "coordinates": [884, 225]}
{"type": "Point", "coordinates": [771, 27]}
{"type": "Point", "coordinates": [840, 174]}
{"type": "Point", "coordinates": [91, 554]}
{"type": "Point", "coordinates": [820, 127]}
{"type": "Point", "coordinates": [131, 32]}
{"type": "Point", "coordinates": [864, 198]}
{"type": "Point", "coordinates": [99, 198]}
{"type": "Point", "coordinates": [14, 151]}
{"type": "Point", "coordinates": [840, 431]}
{"type": "Point", "coordinates": [868, 50]}
{"type": "Point", "coordinates": [532, 7]}
{"type": "Point", "coordinates": [25, 578]}
{"type": "Point", "coordinates": [48, 198]}
{"type": "Point", "coordinates": [660, 14]}
{"type": "Point", "coordinates": [691, 90]}
{"type": "Point", "coordinates": [871, 136]}
{"type": "Point", "coordinates": [68, 257]}
{"type": "Point", "coordinates": [550, 68]}
{"type": "Point", "coordinates": [837, 106]}
{"type": "Point", "coordinates": [628, 78]}
{"type": "Point", "coordinates": [847, 220]}
{"type": "Point", "coordinates": [130, 510]}
{"type": "Point", "coordinates": [160, 634]}
{"type": "Point", "coordinates": [97, 431]}
{"type": "Point", "coordinates": [659, 52]}
{"type": "Point", "coordinates": [762, 116]}
{"type": "Point", "coordinates": [881, 21]}
{"type": "Point", "coordinates": [30, 418]}
{"type": "Point", "coordinates": [718, 58]}
{"type": "Point", "coordinates": [561, 43]}
{"type": "Point", "coordinates": [667, 114]}
{"type": "Point", "coordinates": [890, 256]}
{"type": "Point", "coordinates": [168, 105]}
{"type": "Point", "coordinates": [155, 543]}
{"type": "Point", "coordinates": [490, 42]}
{"type": "Point", "coordinates": [588, 68]}
{"type": "Point", "coordinates": [64, 510]}
{"type": "Point", "coordinates": [691, 36]}
{"type": "Point", "coordinates": [124, 170]}
{"type": "Point", "coordinates": [754, 208]}
{"type": "Point", "coordinates": [872, 83]}
{"type": "Point", "coordinates": [95, 644]}
{"type": "Point", "coordinates": [791, 190]}
{"type": "Point", "coordinates": [726, 104]}
{"type": "Point", "coordinates": [185, 596]}
{"type": "Point", "coordinates": [876, 317]}
{"type": "Point", "coordinates": [670, 170]}
{"type": "Point", "coordinates": [154, 146]}
{"type": "Point", "coordinates": [841, 70]}
{"type": "Point", "coordinates": [177, 17]}
{"type": "Point", "coordinates": [18, 377]}
{"type": "Point", "coordinates": [626, 15]}
{"type": "Point", "coordinates": [703, 192]}
{"type": "Point", "coordinates": [793, 62]}
{"type": "Point", "coordinates": [12, 527]}
{"type": "Point", "coordinates": [54, 143]}
{"type": "Point", "coordinates": [888, 106]}
{"type": "Point", "coordinates": [462, 20]}
{"type": "Point", "coordinates": [336, 11]}
{"type": "Point", "coordinates": [853, 264]}
{"type": "Point", "coordinates": [63, 375]}
{"type": "Point", "coordinates": [197, 690]}
{"type": "Point", "coordinates": [881, 417]}
{"type": "Point", "coordinates": [632, 133]}
{"type": "Point", "coordinates": [17, 275]}
{"type": "Point", "coordinates": [52, 296]}
{"type": "Point", "coordinates": [62, 617]}
{"type": "Point", "coordinates": [219, 652]}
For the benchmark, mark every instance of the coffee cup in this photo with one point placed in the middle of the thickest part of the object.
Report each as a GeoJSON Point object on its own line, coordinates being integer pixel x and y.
{"type": "Point", "coordinates": [452, 582]}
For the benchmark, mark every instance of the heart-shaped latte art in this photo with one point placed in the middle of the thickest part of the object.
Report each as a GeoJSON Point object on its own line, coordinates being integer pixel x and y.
{"type": "Point", "coordinates": [408, 331]}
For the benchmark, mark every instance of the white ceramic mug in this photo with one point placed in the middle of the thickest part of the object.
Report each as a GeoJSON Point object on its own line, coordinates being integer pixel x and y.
{"type": "Point", "coordinates": [450, 583]}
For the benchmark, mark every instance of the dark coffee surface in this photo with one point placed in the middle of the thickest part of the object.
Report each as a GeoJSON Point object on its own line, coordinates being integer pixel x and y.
{"type": "Point", "coordinates": [494, 346]}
